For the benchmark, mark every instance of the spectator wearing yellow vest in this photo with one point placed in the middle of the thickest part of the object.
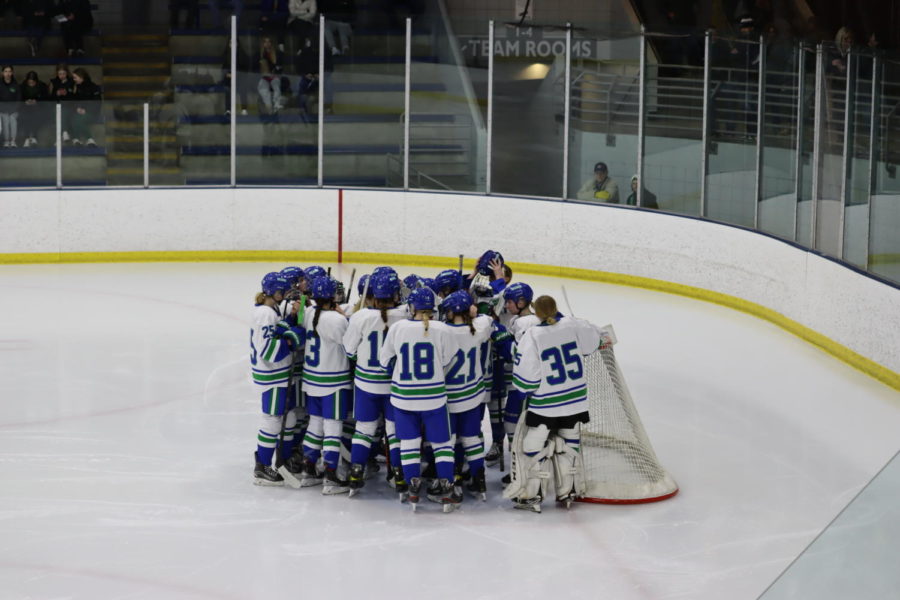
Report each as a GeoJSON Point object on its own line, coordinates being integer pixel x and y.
{"type": "Point", "coordinates": [600, 188]}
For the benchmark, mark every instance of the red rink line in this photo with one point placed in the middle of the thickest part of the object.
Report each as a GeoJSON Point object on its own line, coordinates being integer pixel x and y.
{"type": "Point", "coordinates": [340, 244]}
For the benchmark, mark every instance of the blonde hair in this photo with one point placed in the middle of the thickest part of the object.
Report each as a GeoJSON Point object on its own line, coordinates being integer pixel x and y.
{"type": "Point", "coordinates": [545, 309]}
{"type": "Point", "coordinates": [426, 316]}
{"type": "Point", "coordinates": [260, 297]}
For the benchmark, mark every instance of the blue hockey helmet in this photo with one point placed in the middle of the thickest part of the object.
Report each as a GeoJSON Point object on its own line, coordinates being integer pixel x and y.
{"type": "Point", "coordinates": [384, 286]}
{"type": "Point", "coordinates": [361, 285]}
{"type": "Point", "coordinates": [273, 283]}
{"type": "Point", "coordinates": [292, 274]}
{"type": "Point", "coordinates": [447, 281]}
{"type": "Point", "coordinates": [380, 270]}
{"type": "Point", "coordinates": [412, 281]}
{"type": "Point", "coordinates": [429, 283]}
{"type": "Point", "coordinates": [324, 287]}
{"type": "Point", "coordinates": [314, 272]}
{"type": "Point", "coordinates": [421, 299]}
{"type": "Point", "coordinates": [518, 291]}
{"type": "Point", "coordinates": [458, 302]}
{"type": "Point", "coordinates": [485, 260]}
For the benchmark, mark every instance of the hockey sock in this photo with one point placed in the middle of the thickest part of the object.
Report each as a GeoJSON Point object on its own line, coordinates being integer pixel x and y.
{"type": "Point", "coordinates": [347, 439]}
{"type": "Point", "coordinates": [362, 441]}
{"type": "Point", "coordinates": [514, 401]}
{"type": "Point", "coordinates": [267, 438]}
{"type": "Point", "coordinates": [443, 456]}
{"type": "Point", "coordinates": [290, 435]}
{"type": "Point", "coordinates": [312, 441]}
{"type": "Point", "coordinates": [411, 458]}
{"type": "Point", "coordinates": [390, 430]}
{"type": "Point", "coordinates": [331, 443]}
{"type": "Point", "coordinates": [474, 450]}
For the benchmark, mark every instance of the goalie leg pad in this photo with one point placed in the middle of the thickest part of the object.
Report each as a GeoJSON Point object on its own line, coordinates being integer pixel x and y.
{"type": "Point", "coordinates": [567, 463]}
{"type": "Point", "coordinates": [530, 468]}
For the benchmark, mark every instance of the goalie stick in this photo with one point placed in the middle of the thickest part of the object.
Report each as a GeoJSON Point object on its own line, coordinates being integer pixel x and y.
{"type": "Point", "coordinates": [280, 459]}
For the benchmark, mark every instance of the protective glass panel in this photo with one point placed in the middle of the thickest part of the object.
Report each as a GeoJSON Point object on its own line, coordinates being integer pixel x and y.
{"type": "Point", "coordinates": [363, 99]}
{"type": "Point", "coordinates": [605, 93]}
{"type": "Point", "coordinates": [201, 111]}
{"type": "Point", "coordinates": [448, 107]}
{"type": "Point", "coordinates": [778, 194]}
{"type": "Point", "coordinates": [529, 93]}
{"type": "Point", "coordinates": [28, 128]}
{"type": "Point", "coordinates": [673, 124]}
{"type": "Point", "coordinates": [856, 555]}
{"type": "Point", "coordinates": [731, 177]}
{"type": "Point", "coordinates": [806, 142]}
{"type": "Point", "coordinates": [884, 235]}
{"type": "Point", "coordinates": [859, 115]}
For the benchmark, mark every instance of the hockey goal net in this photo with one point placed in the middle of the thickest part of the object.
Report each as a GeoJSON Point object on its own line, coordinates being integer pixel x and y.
{"type": "Point", "coordinates": [620, 466]}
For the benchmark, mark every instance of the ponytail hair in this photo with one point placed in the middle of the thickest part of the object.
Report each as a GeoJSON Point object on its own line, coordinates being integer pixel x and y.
{"type": "Point", "coordinates": [319, 309]}
{"type": "Point", "coordinates": [383, 305]}
{"type": "Point", "coordinates": [467, 319]}
{"type": "Point", "coordinates": [545, 309]}
{"type": "Point", "coordinates": [260, 297]}
{"type": "Point", "coordinates": [426, 315]}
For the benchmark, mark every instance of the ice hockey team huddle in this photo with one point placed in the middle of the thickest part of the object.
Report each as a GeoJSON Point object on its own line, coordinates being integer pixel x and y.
{"type": "Point", "coordinates": [407, 370]}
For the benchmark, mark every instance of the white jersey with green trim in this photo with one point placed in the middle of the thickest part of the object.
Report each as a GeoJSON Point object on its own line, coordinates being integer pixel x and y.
{"type": "Point", "coordinates": [417, 360]}
{"type": "Point", "coordinates": [270, 358]}
{"type": "Point", "coordinates": [465, 377]}
{"type": "Point", "coordinates": [518, 325]}
{"type": "Point", "coordinates": [549, 366]}
{"type": "Point", "coordinates": [325, 365]}
{"type": "Point", "coordinates": [362, 341]}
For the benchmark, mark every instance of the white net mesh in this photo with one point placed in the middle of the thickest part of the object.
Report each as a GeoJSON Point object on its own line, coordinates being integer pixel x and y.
{"type": "Point", "coordinates": [619, 463]}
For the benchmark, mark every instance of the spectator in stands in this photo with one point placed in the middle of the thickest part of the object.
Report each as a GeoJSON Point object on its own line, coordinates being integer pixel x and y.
{"type": "Point", "coordinates": [191, 10]}
{"type": "Point", "coordinates": [243, 77]}
{"type": "Point", "coordinates": [301, 23]}
{"type": "Point", "coordinates": [843, 42]}
{"type": "Point", "coordinates": [78, 22]}
{"type": "Point", "coordinates": [872, 49]}
{"type": "Point", "coordinates": [237, 6]}
{"type": "Point", "coordinates": [61, 88]}
{"type": "Point", "coordinates": [307, 65]}
{"type": "Point", "coordinates": [10, 99]}
{"type": "Point", "coordinates": [600, 187]}
{"type": "Point", "coordinates": [34, 107]}
{"type": "Point", "coordinates": [85, 107]}
{"type": "Point", "coordinates": [339, 14]}
{"type": "Point", "coordinates": [648, 199]}
{"type": "Point", "coordinates": [36, 19]}
{"type": "Point", "coordinates": [273, 17]}
{"type": "Point", "coordinates": [270, 68]}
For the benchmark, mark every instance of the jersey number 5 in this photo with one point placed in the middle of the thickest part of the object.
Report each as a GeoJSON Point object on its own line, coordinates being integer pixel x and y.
{"type": "Point", "coordinates": [559, 358]}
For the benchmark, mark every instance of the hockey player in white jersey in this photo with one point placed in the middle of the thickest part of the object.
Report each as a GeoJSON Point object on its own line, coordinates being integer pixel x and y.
{"type": "Point", "coordinates": [272, 342]}
{"type": "Point", "coordinates": [416, 352]}
{"type": "Point", "coordinates": [372, 383]}
{"type": "Point", "coordinates": [327, 383]}
{"type": "Point", "coordinates": [517, 303]}
{"type": "Point", "coordinates": [549, 368]}
{"type": "Point", "coordinates": [466, 392]}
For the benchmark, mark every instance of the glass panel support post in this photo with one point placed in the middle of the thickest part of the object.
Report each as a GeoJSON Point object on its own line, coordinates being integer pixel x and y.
{"type": "Point", "coordinates": [873, 156]}
{"type": "Point", "coordinates": [59, 178]}
{"type": "Point", "coordinates": [567, 112]}
{"type": "Point", "coordinates": [233, 101]}
{"type": "Point", "coordinates": [489, 137]}
{"type": "Point", "coordinates": [407, 88]}
{"type": "Point", "coordinates": [704, 142]}
{"type": "Point", "coordinates": [642, 108]}
{"type": "Point", "coordinates": [146, 145]}
{"type": "Point", "coordinates": [800, 132]}
{"type": "Point", "coordinates": [849, 132]}
{"type": "Point", "coordinates": [760, 122]}
{"type": "Point", "coordinates": [320, 143]}
{"type": "Point", "coordinates": [818, 125]}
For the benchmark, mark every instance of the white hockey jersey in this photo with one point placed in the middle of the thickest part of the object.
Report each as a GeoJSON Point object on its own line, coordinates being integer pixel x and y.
{"type": "Point", "coordinates": [519, 325]}
{"type": "Point", "coordinates": [465, 376]}
{"type": "Point", "coordinates": [549, 366]}
{"type": "Point", "coordinates": [417, 378]}
{"type": "Point", "coordinates": [325, 365]}
{"type": "Point", "coordinates": [270, 358]}
{"type": "Point", "coordinates": [362, 341]}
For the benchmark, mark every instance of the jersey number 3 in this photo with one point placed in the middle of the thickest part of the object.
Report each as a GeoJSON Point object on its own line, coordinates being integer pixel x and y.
{"type": "Point", "coordinates": [561, 357]}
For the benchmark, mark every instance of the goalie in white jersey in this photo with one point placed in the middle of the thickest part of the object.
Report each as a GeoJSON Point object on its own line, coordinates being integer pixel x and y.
{"type": "Point", "coordinates": [372, 383]}
{"type": "Point", "coordinates": [416, 352]}
{"type": "Point", "coordinates": [327, 384]}
{"type": "Point", "coordinates": [272, 344]}
{"type": "Point", "coordinates": [549, 368]}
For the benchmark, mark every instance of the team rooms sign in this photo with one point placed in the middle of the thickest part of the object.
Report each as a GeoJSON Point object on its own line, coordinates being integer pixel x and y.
{"type": "Point", "coordinates": [527, 42]}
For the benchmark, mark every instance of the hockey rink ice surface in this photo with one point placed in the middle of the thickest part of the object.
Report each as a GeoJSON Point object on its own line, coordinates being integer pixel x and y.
{"type": "Point", "coordinates": [127, 431]}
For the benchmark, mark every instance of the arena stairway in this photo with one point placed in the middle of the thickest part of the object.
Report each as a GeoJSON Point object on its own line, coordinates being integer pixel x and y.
{"type": "Point", "coordinates": [137, 69]}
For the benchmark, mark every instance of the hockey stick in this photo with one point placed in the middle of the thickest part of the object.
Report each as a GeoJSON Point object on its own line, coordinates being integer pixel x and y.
{"type": "Point", "coordinates": [280, 459]}
{"type": "Point", "coordinates": [566, 298]}
{"type": "Point", "coordinates": [352, 279]}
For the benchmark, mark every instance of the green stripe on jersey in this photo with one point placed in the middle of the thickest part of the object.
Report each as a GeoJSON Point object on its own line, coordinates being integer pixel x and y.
{"type": "Point", "coordinates": [524, 385]}
{"type": "Point", "coordinates": [342, 378]}
{"type": "Point", "coordinates": [267, 377]}
{"type": "Point", "coordinates": [433, 391]}
{"type": "Point", "coordinates": [556, 399]}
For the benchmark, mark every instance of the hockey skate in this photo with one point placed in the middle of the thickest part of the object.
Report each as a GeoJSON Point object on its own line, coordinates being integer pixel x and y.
{"type": "Point", "coordinates": [494, 455]}
{"type": "Point", "coordinates": [399, 484]}
{"type": "Point", "coordinates": [357, 479]}
{"type": "Point", "coordinates": [266, 475]}
{"type": "Point", "coordinates": [292, 470]}
{"type": "Point", "coordinates": [332, 485]}
{"type": "Point", "coordinates": [451, 496]}
{"type": "Point", "coordinates": [532, 504]}
{"type": "Point", "coordinates": [311, 475]}
{"type": "Point", "coordinates": [434, 492]}
{"type": "Point", "coordinates": [478, 487]}
{"type": "Point", "coordinates": [567, 500]}
{"type": "Point", "coordinates": [415, 484]}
